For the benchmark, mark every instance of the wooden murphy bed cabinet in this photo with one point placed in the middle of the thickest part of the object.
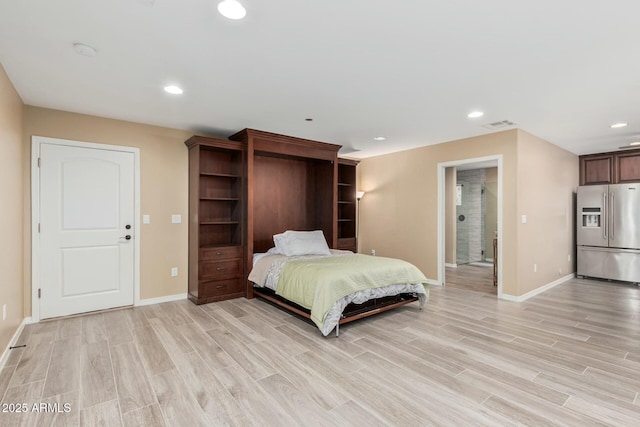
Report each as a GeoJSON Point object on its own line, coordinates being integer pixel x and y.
{"type": "Point", "coordinates": [610, 168]}
{"type": "Point", "coordinates": [347, 205]}
{"type": "Point", "coordinates": [216, 219]}
{"type": "Point", "coordinates": [244, 190]}
{"type": "Point", "coordinates": [291, 185]}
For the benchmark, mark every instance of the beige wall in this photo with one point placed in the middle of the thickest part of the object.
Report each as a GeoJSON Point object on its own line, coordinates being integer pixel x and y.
{"type": "Point", "coordinates": [450, 195]}
{"type": "Point", "coordinates": [491, 210]}
{"type": "Point", "coordinates": [547, 180]}
{"type": "Point", "coordinates": [11, 214]}
{"type": "Point", "coordinates": [399, 214]}
{"type": "Point", "coordinates": [164, 190]}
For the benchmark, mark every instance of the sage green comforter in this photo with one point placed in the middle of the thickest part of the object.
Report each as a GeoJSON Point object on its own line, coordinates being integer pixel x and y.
{"type": "Point", "coordinates": [317, 284]}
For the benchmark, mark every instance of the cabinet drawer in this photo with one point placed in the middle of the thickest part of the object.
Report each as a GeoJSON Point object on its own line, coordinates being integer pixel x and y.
{"type": "Point", "coordinates": [220, 269]}
{"type": "Point", "coordinates": [220, 287]}
{"type": "Point", "coordinates": [224, 252]}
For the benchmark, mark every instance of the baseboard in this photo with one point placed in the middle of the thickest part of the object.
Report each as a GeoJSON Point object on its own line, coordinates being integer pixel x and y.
{"type": "Point", "coordinates": [537, 291]}
{"type": "Point", "coordinates": [168, 298]}
{"type": "Point", "coordinates": [13, 341]}
{"type": "Point", "coordinates": [434, 282]}
{"type": "Point", "coordinates": [446, 264]}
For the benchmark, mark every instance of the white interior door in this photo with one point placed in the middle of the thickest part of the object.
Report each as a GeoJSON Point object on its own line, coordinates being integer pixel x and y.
{"type": "Point", "coordinates": [86, 211]}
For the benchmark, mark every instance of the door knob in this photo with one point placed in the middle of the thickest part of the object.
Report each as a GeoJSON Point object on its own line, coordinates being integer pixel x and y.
{"type": "Point", "coordinates": [128, 227]}
{"type": "Point", "coordinates": [461, 218]}
{"type": "Point", "coordinates": [127, 237]}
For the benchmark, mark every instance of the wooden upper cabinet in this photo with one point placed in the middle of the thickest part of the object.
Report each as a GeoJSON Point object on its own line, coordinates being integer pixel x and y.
{"type": "Point", "coordinates": [597, 169]}
{"type": "Point", "coordinates": [627, 167]}
{"type": "Point", "coordinates": [610, 168]}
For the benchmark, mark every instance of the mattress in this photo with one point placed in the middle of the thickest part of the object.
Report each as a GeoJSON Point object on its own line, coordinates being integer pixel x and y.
{"type": "Point", "coordinates": [326, 284]}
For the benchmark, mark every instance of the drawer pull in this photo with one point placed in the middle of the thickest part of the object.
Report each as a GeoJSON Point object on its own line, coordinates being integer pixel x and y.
{"type": "Point", "coordinates": [218, 253]}
{"type": "Point", "coordinates": [221, 286]}
{"type": "Point", "coordinates": [220, 269]}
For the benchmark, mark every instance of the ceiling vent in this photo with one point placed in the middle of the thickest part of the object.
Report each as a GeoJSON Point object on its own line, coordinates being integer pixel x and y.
{"type": "Point", "coordinates": [499, 125]}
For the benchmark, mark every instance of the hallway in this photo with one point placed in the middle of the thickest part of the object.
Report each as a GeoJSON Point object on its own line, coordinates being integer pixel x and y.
{"type": "Point", "coordinates": [471, 278]}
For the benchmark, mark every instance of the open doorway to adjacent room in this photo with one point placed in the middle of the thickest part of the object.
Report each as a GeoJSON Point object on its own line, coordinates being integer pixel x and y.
{"type": "Point", "coordinates": [469, 221]}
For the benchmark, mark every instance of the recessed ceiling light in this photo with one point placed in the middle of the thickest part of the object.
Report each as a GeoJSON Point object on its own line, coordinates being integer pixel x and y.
{"type": "Point", "coordinates": [379, 138]}
{"type": "Point", "coordinates": [231, 9]}
{"type": "Point", "coordinates": [174, 90]}
{"type": "Point", "coordinates": [635, 143]}
{"type": "Point", "coordinates": [475, 114]}
{"type": "Point", "coordinates": [618, 125]}
{"type": "Point", "coordinates": [84, 49]}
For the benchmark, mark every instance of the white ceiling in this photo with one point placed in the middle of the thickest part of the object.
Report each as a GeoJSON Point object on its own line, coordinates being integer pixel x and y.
{"type": "Point", "coordinates": [411, 70]}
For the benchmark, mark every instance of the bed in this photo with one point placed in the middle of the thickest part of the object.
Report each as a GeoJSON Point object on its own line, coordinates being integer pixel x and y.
{"type": "Point", "coordinates": [331, 287]}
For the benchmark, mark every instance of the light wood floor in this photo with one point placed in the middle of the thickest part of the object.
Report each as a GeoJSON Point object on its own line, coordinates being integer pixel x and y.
{"type": "Point", "coordinates": [570, 356]}
{"type": "Point", "coordinates": [471, 278]}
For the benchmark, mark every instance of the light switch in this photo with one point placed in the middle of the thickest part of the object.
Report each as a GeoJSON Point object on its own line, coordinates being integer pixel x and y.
{"type": "Point", "coordinates": [146, 219]}
{"type": "Point", "coordinates": [176, 219]}
{"type": "Point", "coordinates": [524, 219]}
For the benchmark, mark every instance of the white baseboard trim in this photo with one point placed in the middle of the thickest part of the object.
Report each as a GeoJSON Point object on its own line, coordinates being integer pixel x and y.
{"type": "Point", "coordinates": [434, 282]}
{"type": "Point", "coordinates": [13, 341]}
{"type": "Point", "coordinates": [537, 291]}
{"type": "Point", "coordinates": [446, 264]}
{"type": "Point", "coordinates": [168, 298]}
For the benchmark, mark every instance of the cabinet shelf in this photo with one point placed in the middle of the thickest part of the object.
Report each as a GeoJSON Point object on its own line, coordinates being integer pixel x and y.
{"type": "Point", "coordinates": [219, 175]}
{"type": "Point", "coordinates": [220, 199]}
{"type": "Point", "coordinates": [346, 204]}
{"type": "Point", "coordinates": [214, 246]}
{"type": "Point", "coordinates": [219, 222]}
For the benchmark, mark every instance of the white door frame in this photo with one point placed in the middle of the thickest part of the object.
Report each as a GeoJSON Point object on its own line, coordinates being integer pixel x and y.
{"type": "Point", "coordinates": [36, 141]}
{"type": "Point", "coordinates": [441, 213]}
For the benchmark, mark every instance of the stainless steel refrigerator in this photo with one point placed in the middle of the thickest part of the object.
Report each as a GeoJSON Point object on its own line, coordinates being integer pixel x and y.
{"type": "Point", "coordinates": [608, 232]}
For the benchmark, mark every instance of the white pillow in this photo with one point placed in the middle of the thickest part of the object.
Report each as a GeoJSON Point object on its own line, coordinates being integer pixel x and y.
{"type": "Point", "coordinates": [292, 243]}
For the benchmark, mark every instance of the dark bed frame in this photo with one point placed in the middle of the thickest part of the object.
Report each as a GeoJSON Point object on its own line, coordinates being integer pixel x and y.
{"type": "Point", "coordinates": [351, 312]}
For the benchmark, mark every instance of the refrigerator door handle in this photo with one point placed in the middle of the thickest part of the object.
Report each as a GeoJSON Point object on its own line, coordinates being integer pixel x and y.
{"type": "Point", "coordinates": [605, 225]}
{"type": "Point", "coordinates": [609, 250]}
{"type": "Point", "coordinates": [612, 217]}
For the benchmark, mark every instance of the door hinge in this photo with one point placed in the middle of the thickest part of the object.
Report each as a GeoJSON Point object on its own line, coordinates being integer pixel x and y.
{"type": "Point", "coordinates": [38, 161]}
{"type": "Point", "coordinates": [39, 292]}
{"type": "Point", "coordinates": [38, 227]}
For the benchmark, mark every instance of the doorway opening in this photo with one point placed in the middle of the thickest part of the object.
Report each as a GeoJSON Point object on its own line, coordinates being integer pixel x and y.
{"type": "Point", "coordinates": [469, 224]}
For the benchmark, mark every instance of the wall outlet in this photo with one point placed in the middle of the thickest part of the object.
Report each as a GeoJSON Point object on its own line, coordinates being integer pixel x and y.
{"type": "Point", "coordinates": [524, 219]}
{"type": "Point", "coordinates": [4, 311]}
{"type": "Point", "coordinates": [176, 219]}
{"type": "Point", "coordinates": [174, 272]}
{"type": "Point", "coordinates": [535, 268]}
{"type": "Point", "coordinates": [146, 219]}
{"type": "Point", "coordinates": [373, 252]}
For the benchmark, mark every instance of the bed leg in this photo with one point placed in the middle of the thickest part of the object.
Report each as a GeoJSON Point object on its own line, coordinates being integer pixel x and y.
{"type": "Point", "coordinates": [337, 330]}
